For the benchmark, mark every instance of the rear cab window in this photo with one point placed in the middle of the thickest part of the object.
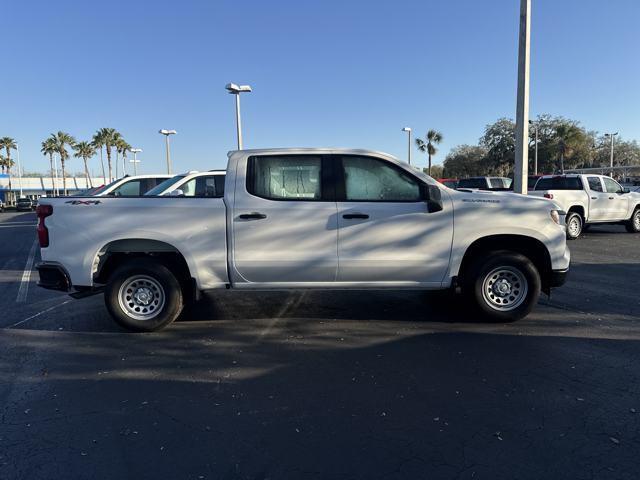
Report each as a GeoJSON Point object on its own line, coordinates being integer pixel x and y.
{"type": "Point", "coordinates": [559, 183]}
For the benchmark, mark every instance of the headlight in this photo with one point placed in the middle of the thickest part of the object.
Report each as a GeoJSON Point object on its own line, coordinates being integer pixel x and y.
{"type": "Point", "coordinates": [555, 216]}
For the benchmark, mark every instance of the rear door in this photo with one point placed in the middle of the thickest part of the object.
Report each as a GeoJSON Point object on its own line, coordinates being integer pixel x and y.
{"type": "Point", "coordinates": [386, 234]}
{"type": "Point", "coordinates": [618, 202]}
{"type": "Point", "coordinates": [598, 199]}
{"type": "Point", "coordinates": [284, 224]}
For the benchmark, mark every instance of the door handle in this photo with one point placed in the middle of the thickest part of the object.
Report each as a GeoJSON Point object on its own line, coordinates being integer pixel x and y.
{"type": "Point", "coordinates": [252, 216]}
{"type": "Point", "coordinates": [610, 198]}
{"type": "Point", "coordinates": [351, 216]}
{"type": "Point", "coordinates": [594, 198]}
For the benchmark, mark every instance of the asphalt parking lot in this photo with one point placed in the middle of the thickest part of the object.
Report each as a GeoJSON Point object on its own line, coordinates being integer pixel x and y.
{"type": "Point", "coordinates": [339, 385]}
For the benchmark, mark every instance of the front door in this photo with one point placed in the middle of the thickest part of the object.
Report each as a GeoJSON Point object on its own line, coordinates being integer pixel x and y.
{"type": "Point", "coordinates": [598, 199]}
{"type": "Point", "coordinates": [284, 225]}
{"type": "Point", "coordinates": [386, 235]}
{"type": "Point", "coordinates": [618, 202]}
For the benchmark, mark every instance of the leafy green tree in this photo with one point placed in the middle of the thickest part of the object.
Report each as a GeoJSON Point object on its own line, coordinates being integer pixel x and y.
{"type": "Point", "coordinates": [568, 138]}
{"type": "Point", "coordinates": [465, 161]}
{"type": "Point", "coordinates": [499, 141]}
{"type": "Point", "coordinates": [62, 140]}
{"type": "Point", "coordinates": [427, 145]}
{"type": "Point", "coordinates": [85, 150]}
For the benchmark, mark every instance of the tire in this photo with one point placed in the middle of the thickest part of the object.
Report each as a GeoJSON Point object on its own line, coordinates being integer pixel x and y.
{"type": "Point", "coordinates": [159, 299]}
{"type": "Point", "coordinates": [519, 290]}
{"type": "Point", "coordinates": [633, 224]}
{"type": "Point", "coordinates": [575, 224]}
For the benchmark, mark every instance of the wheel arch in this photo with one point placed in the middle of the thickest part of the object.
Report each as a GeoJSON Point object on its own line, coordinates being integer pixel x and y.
{"type": "Point", "coordinates": [116, 252]}
{"type": "Point", "coordinates": [530, 247]}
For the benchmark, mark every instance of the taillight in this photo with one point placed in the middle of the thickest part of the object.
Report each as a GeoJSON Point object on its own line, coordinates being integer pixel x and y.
{"type": "Point", "coordinates": [548, 195]}
{"type": "Point", "coordinates": [43, 211]}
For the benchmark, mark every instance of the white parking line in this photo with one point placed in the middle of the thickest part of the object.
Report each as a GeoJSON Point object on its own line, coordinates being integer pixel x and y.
{"type": "Point", "coordinates": [26, 274]}
{"type": "Point", "coordinates": [38, 314]}
{"type": "Point", "coordinates": [17, 225]}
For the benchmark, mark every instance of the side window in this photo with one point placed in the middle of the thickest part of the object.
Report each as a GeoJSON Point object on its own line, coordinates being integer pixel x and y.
{"type": "Point", "coordinates": [370, 179]}
{"type": "Point", "coordinates": [208, 187]}
{"type": "Point", "coordinates": [611, 185]}
{"type": "Point", "coordinates": [496, 182]}
{"type": "Point", "coordinates": [594, 184]}
{"type": "Point", "coordinates": [188, 188]}
{"type": "Point", "coordinates": [129, 189]}
{"type": "Point", "coordinates": [290, 177]}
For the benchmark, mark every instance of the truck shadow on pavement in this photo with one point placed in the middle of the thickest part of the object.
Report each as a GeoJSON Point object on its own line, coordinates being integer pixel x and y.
{"type": "Point", "coordinates": [308, 402]}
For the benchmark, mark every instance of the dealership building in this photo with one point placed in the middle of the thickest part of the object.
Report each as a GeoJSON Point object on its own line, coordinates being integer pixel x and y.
{"type": "Point", "coordinates": [12, 187]}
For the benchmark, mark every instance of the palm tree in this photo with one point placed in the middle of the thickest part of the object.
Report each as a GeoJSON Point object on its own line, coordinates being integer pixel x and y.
{"type": "Point", "coordinates": [427, 145]}
{"type": "Point", "coordinates": [62, 139]}
{"type": "Point", "coordinates": [566, 138]}
{"type": "Point", "coordinates": [122, 147]}
{"type": "Point", "coordinates": [8, 144]}
{"type": "Point", "coordinates": [85, 150]}
{"type": "Point", "coordinates": [6, 163]}
{"type": "Point", "coordinates": [106, 137]}
{"type": "Point", "coordinates": [49, 148]}
{"type": "Point", "coordinates": [96, 143]}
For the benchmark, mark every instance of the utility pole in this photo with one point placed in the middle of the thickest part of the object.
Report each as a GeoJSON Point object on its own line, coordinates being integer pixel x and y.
{"type": "Point", "coordinates": [166, 134]}
{"type": "Point", "coordinates": [611, 135]}
{"type": "Point", "coordinates": [522, 108]}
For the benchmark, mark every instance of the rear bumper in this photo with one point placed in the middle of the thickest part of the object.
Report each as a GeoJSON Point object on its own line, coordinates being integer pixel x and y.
{"type": "Point", "coordinates": [558, 277]}
{"type": "Point", "coordinates": [53, 276]}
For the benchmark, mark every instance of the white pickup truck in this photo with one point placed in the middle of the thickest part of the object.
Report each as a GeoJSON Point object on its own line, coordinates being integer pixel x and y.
{"type": "Point", "coordinates": [590, 199]}
{"type": "Point", "coordinates": [304, 218]}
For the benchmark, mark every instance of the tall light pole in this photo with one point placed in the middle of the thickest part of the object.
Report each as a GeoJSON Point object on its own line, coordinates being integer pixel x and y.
{"type": "Point", "coordinates": [19, 169]}
{"type": "Point", "coordinates": [535, 159]}
{"type": "Point", "coordinates": [611, 135]}
{"type": "Point", "coordinates": [522, 106]}
{"type": "Point", "coordinates": [135, 160]}
{"type": "Point", "coordinates": [236, 90]}
{"type": "Point", "coordinates": [408, 130]}
{"type": "Point", "coordinates": [166, 134]}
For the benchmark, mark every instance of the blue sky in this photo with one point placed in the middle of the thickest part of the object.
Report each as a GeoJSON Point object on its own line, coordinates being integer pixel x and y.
{"type": "Point", "coordinates": [324, 73]}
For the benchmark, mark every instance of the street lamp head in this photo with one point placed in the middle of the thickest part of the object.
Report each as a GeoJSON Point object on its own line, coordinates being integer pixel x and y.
{"type": "Point", "coordinates": [236, 89]}
{"type": "Point", "coordinates": [167, 132]}
{"type": "Point", "coordinates": [135, 150]}
{"type": "Point", "coordinates": [406, 129]}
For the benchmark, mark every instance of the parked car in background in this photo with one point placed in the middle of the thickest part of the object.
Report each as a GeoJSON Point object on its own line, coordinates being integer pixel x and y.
{"type": "Point", "coordinates": [192, 184]}
{"type": "Point", "coordinates": [591, 199]}
{"type": "Point", "coordinates": [24, 204]}
{"type": "Point", "coordinates": [1, 206]}
{"type": "Point", "coordinates": [34, 203]}
{"type": "Point", "coordinates": [305, 218]}
{"type": "Point", "coordinates": [449, 182]}
{"type": "Point", "coordinates": [532, 180]}
{"type": "Point", "coordinates": [130, 186]}
{"type": "Point", "coordinates": [485, 183]}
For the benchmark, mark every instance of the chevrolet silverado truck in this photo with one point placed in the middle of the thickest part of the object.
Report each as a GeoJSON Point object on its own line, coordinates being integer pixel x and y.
{"type": "Point", "coordinates": [304, 219]}
{"type": "Point", "coordinates": [591, 199]}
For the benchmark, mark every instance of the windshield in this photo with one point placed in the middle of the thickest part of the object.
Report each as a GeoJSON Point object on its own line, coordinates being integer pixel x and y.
{"type": "Point", "coordinates": [161, 187]}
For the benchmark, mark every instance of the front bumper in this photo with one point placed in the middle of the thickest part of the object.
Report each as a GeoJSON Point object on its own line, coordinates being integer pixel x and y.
{"type": "Point", "coordinates": [53, 276]}
{"type": "Point", "coordinates": [558, 277]}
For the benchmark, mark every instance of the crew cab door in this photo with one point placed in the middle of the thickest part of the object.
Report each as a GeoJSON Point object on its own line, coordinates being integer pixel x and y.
{"type": "Point", "coordinates": [618, 202]}
{"type": "Point", "coordinates": [284, 225]}
{"type": "Point", "coordinates": [386, 234]}
{"type": "Point", "coordinates": [598, 199]}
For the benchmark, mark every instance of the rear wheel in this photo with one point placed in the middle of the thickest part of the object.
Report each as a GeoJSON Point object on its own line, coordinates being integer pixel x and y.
{"type": "Point", "coordinates": [574, 225]}
{"type": "Point", "coordinates": [503, 286]}
{"type": "Point", "coordinates": [633, 224]}
{"type": "Point", "coordinates": [143, 295]}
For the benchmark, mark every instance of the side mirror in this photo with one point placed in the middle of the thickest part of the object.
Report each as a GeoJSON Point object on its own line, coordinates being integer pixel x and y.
{"type": "Point", "coordinates": [433, 197]}
{"type": "Point", "coordinates": [176, 193]}
{"type": "Point", "coordinates": [626, 190]}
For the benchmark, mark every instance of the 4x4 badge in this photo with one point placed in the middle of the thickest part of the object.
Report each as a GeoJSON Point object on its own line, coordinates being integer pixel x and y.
{"type": "Point", "coordinates": [83, 202]}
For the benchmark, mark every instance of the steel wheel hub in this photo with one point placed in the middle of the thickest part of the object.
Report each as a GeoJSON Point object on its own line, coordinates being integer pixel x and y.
{"type": "Point", "coordinates": [636, 220]}
{"type": "Point", "coordinates": [504, 288]}
{"type": "Point", "coordinates": [574, 226]}
{"type": "Point", "coordinates": [141, 297]}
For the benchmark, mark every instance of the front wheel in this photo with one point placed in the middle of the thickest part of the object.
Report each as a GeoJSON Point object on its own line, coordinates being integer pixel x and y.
{"type": "Point", "coordinates": [503, 286]}
{"type": "Point", "coordinates": [633, 224]}
{"type": "Point", "coordinates": [143, 296]}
